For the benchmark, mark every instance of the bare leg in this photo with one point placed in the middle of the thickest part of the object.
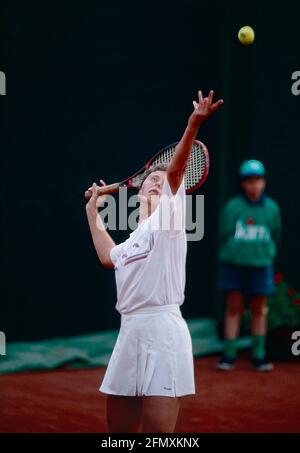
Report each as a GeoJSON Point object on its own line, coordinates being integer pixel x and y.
{"type": "Point", "coordinates": [160, 414]}
{"type": "Point", "coordinates": [124, 413]}
{"type": "Point", "coordinates": [234, 312]}
{"type": "Point", "coordinates": [258, 315]}
{"type": "Point", "coordinates": [259, 312]}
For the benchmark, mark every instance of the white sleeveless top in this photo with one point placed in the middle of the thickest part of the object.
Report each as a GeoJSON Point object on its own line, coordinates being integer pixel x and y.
{"type": "Point", "coordinates": [150, 264]}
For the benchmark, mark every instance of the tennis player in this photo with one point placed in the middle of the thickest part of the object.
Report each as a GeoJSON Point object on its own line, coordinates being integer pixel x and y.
{"type": "Point", "coordinates": [151, 366]}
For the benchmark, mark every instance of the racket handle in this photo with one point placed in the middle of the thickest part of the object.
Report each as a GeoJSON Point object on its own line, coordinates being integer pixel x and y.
{"type": "Point", "coordinates": [105, 190]}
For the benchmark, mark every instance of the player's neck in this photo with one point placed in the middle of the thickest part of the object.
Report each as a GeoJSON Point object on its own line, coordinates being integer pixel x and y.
{"type": "Point", "coordinates": [147, 207]}
{"type": "Point", "coordinates": [144, 210]}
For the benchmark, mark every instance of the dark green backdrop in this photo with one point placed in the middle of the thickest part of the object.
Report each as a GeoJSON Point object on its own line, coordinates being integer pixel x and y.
{"type": "Point", "coordinates": [93, 89]}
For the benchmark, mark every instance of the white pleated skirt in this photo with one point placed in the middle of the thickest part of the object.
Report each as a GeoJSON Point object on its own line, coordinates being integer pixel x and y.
{"type": "Point", "coordinates": [152, 356]}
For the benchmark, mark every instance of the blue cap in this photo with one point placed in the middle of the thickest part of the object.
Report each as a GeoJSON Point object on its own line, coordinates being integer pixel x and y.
{"type": "Point", "coordinates": [251, 168]}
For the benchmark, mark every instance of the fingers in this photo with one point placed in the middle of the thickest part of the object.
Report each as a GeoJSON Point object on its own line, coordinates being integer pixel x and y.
{"type": "Point", "coordinates": [87, 194]}
{"type": "Point", "coordinates": [208, 99]}
{"type": "Point", "coordinates": [93, 194]}
{"type": "Point", "coordinates": [204, 101]}
{"type": "Point", "coordinates": [94, 190]}
{"type": "Point", "coordinates": [102, 183]}
{"type": "Point", "coordinates": [200, 96]}
{"type": "Point", "coordinates": [206, 106]}
{"type": "Point", "coordinates": [210, 96]}
{"type": "Point", "coordinates": [91, 188]}
{"type": "Point", "coordinates": [216, 105]}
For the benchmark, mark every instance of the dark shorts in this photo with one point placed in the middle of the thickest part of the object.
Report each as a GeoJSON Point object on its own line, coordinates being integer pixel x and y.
{"type": "Point", "coordinates": [254, 281]}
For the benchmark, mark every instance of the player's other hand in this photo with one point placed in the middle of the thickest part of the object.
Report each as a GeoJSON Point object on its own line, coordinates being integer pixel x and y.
{"type": "Point", "coordinates": [92, 194]}
{"type": "Point", "coordinates": [203, 108]}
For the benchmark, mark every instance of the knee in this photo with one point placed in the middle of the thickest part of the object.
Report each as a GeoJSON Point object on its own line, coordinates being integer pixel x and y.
{"type": "Point", "coordinates": [235, 305]}
{"type": "Point", "coordinates": [258, 306]}
{"type": "Point", "coordinates": [124, 414]}
{"type": "Point", "coordinates": [160, 414]}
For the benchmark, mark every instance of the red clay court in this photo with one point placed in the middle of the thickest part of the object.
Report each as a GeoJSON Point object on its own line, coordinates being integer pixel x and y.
{"type": "Point", "coordinates": [239, 401]}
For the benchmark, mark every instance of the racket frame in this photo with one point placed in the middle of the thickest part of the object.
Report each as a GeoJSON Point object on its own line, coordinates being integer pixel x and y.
{"type": "Point", "coordinates": [127, 183]}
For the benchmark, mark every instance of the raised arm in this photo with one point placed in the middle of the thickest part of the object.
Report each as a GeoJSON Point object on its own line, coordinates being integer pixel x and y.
{"type": "Point", "coordinates": [102, 241]}
{"type": "Point", "coordinates": [202, 110]}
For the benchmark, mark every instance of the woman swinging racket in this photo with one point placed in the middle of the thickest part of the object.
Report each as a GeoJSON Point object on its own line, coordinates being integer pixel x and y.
{"type": "Point", "coordinates": [151, 366]}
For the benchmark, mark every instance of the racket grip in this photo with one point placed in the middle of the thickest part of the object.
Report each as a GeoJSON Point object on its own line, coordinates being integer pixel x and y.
{"type": "Point", "coordinates": [105, 190]}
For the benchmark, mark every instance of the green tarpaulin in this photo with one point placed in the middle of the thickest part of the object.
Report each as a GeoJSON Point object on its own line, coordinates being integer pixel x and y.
{"type": "Point", "coordinates": [94, 350]}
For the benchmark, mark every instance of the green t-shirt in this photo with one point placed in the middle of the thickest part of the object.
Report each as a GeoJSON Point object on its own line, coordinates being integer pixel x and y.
{"type": "Point", "coordinates": [250, 231]}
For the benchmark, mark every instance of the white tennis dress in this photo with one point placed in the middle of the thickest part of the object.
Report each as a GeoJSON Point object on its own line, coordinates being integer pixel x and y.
{"type": "Point", "coordinates": [153, 352]}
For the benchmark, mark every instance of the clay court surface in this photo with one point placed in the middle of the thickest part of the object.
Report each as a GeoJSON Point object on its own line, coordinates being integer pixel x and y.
{"type": "Point", "coordinates": [238, 401]}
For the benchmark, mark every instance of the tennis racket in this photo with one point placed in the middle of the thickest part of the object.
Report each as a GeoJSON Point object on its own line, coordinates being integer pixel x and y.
{"type": "Point", "coordinates": [195, 173]}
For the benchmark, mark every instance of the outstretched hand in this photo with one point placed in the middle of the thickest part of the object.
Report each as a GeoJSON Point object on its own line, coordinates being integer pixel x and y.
{"type": "Point", "coordinates": [203, 108]}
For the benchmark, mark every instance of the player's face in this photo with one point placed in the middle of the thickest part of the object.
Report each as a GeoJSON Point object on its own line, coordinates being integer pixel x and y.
{"type": "Point", "coordinates": [152, 186]}
{"type": "Point", "coordinates": [254, 186]}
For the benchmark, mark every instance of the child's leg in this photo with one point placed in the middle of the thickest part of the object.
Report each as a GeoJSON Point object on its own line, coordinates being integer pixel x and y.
{"type": "Point", "coordinates": [258, 308]}
{"type": "Point", "coordinates": [262, 285]}
{"type": "Point", "coordinates": [232, 322]}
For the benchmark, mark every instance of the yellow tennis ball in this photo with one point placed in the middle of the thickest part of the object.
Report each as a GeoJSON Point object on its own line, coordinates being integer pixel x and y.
{"type": "Point", "coordinates": [246, 35]}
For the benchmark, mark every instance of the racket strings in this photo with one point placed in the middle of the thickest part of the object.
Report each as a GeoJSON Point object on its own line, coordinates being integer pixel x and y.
{"type": "Point", "coordinates": [194, 171]}
{"type": "Point", "coordinates": [195, 167]}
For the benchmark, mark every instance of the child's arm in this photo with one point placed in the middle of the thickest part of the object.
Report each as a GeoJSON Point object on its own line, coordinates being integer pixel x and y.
{"type": "Point", "coordinates": [277, 232]}
{"type": "Point", "coordinates": [226, 224]}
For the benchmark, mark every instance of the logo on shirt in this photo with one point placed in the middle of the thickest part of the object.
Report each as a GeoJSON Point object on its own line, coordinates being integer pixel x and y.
{"type": "Point", "coordinates": [139, 250]}
{"type": "Point", "coordinates": [249, 232]}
